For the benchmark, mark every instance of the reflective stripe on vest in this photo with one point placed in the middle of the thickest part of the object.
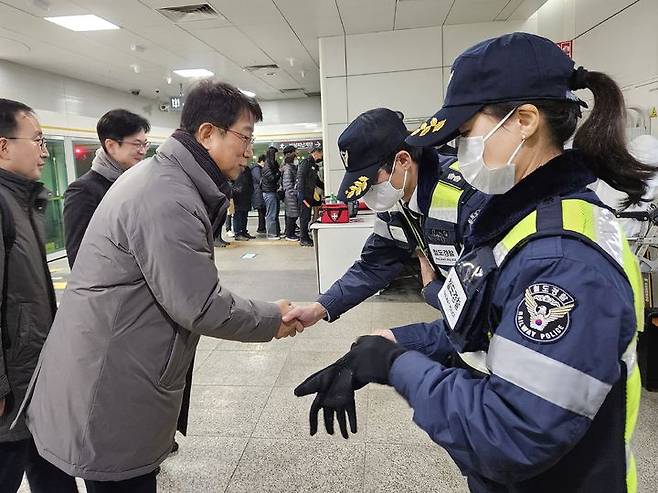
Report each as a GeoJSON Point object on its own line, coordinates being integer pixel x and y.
{"type": "Point", "coordinates": [599, 226]}
{"type": "Point", "coordinates": [445, 199]}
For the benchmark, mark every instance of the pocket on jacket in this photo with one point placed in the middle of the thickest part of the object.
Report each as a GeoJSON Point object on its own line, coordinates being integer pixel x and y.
{"type": "Point", "coordinates": [180, 356]}
{"type": "Point", "coordinates": [22, 324]}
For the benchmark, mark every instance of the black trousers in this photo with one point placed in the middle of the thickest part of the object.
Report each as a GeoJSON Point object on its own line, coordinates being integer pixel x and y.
{"type": "Point", "coordinates": [291, 226]}
{"type": "Point", "coordinates": [304, 219]}
{"type": "Point", "coordinates": [140, 484]}
{"type": "Point", "coordinates": [240, 222]}
{"type": "Point", "coordinates": [21, 457]}
{"type": "Point", "coordinates": [261, 220]}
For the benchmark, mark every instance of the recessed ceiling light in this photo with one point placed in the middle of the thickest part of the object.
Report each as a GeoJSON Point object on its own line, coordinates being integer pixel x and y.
{"type": "Point", "coordinates": [82, 22]}
{"type": "Point", "coordinates": [248, 93]}
{"type": "Point", "coordinates": [194, 72]}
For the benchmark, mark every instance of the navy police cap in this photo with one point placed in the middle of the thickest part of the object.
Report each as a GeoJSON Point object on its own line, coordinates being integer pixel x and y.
{"type": "Point", "coordinates": [513, 67]}
{"type": "Point", "coordinates": [364, 144]}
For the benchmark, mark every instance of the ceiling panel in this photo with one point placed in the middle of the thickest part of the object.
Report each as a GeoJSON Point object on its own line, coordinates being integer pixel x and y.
{"type": "Point", "coordinates": [509, 9]}
{"type": "Point", "coordinates": [311, 19]}
{"type": "Point", "coordinates": [529, 7]}
{"type": "Point", "coordinates": [282, 46]}
{"type": "Point", "coordinates": [55, 7]}
{"type": "Point", "coordinates": [367, 16]}
{"type": "Point", "coordinates": [469, 11]}
{"type": "Point", "coordinates": [421, 13]}
{"type": "Point", "coordinates": [232, 43]}
{"type": "Point", "coordinates": [175, 39]}
{"type": "Point", "coordinates": [130, 14]}
{"type": "Point", "coordinates": [312, 46]}
{"type": "Point", "coordinates": [247, 12]}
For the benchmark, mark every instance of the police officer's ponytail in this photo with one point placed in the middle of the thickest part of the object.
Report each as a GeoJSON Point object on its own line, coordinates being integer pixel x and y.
{"type": "Point", "coordinates": [602, 137]}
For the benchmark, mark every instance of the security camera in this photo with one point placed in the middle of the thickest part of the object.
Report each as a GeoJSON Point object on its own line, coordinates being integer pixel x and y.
{"type": "Point", "coordinates": [135, 92]}
{"type": "Point", "coordinates": [157, 91]}
{"type": "Point", "coordinates": [164, 107]}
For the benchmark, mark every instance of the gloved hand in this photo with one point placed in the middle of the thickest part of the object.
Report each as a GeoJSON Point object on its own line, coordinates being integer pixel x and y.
{"type": "Point", "coordinates": [335, 388]}
{"type": "Point", "coordinates": [369, 360]}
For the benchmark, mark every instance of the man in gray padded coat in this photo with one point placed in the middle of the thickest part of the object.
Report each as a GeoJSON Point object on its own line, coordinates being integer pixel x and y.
{"type": "Point", "coordinates": [109, 383]}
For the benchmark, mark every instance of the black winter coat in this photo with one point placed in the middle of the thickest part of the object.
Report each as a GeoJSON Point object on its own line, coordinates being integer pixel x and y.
{"type": "Point", "coordinates": [308, 179]}
{"type": "Point", "coordinates": [271, 178]}
{"type": "Point", "coordinates": [289, 183]}
{"type": "Point", "coordinates": [30, 299]}
{"type": "Point", "coordinates": [80, 202]}
{"type": "Point", "coordinates": [257, 201]}
{"type": "Point", "coordinates": [242, 190]}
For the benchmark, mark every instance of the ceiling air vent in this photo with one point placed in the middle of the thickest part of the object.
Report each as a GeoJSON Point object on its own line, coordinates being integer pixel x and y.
{"type": "Point", "coordinates": [312, 94]}
{"type": "Point", "coordinates": [297, 92]}
{"type": "Point", "coordinates": [254, 68]}
{"type": "Point", "coordinates": [188, 13]}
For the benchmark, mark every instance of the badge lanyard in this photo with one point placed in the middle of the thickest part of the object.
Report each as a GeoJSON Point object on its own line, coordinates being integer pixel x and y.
{"type": "Point", "coordinates": [419, 238]}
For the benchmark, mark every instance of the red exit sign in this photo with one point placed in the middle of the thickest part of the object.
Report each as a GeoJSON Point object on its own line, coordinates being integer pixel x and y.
{"type": "Point", "coordinates": [567, 47]}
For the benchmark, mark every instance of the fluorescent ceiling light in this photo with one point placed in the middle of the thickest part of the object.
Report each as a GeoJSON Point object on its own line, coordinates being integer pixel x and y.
{"type": "Point", "coordinates": [194, 72]}
{"type": "Point", "coordinates": [248, 93]}
{"type": "Point", "coordinates": [82, 23]}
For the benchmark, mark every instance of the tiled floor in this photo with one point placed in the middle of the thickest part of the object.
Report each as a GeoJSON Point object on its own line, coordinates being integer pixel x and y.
{"type": "Point", "coordinates": [249, 433]}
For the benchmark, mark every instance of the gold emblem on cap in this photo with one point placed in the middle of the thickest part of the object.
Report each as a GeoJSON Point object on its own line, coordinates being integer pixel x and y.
{"type": "Point", "coordinates": [433, 125]}
{"type": "Point", "coordinates": [357, 187]}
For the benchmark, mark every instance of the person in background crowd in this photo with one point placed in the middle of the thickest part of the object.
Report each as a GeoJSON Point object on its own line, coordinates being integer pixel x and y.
{"type": "Point", "coordinates": [270, 182]}
{"type": "Point", "coordinates": [124, 142]}
{"type": "Point", "coordinates": [307, 182]}
{"type": "Point", "coordinates": [289, 183]}
{"type": "Point", "coordinates": [226, 222]}
{"type": "Point", "coordinates": [257, 200]}
{"type": "Point", "coordinates": [28, 299]}
{"type": "Point", "coordinates": [242, 192]}
{"type": "Point", "coordinates": [145, 287]}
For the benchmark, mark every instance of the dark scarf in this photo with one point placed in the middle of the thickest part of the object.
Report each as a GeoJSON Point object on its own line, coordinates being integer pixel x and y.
{"type": "Point", "coordinates": [203, 159]}
{"type": "Point", "coordinates": [562, 176]}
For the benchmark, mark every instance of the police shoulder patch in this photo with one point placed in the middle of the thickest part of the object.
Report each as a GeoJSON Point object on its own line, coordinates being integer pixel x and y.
{"type": "Point", "coordinates": [543, 313]}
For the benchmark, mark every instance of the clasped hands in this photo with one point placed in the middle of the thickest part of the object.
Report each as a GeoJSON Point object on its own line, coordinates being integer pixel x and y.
{"type": "Point", "coordinates": [295, 319]}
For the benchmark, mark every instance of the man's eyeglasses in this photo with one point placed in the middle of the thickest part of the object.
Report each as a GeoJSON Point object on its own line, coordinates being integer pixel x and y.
{"type": "Point", "coordinates": [139, 145]}
{"type": "Point", "coordinates": [40, 141]}
{"type": "Point", "coordinates": [245, 138]}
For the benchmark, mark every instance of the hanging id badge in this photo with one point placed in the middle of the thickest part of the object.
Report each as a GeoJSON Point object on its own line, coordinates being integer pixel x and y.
{"type": "Point", "coordinates": [452, 298]}
{"type": "Point", "coordinates": [464, 298]}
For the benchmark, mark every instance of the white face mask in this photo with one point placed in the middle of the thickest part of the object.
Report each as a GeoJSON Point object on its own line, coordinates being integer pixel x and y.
{"type": "Point", "coordinates": [492, 180]}
{"type": "Point", "coordinates": [383, 196]}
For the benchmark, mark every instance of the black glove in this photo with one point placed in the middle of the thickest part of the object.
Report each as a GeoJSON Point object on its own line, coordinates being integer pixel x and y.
{"type": "Point", "coordinates": [335, 388]}
{"type": "Point", "coordinates": [369, 360]}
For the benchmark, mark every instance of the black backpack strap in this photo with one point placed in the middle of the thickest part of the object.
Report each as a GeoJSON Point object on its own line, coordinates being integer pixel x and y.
{"type": "Point", "coordinates": [8, 238]}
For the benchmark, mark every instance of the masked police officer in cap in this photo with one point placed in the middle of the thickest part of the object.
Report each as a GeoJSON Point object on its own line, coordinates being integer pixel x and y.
{"type": "Point", "coordinates": [423, 206]}
{"type": "Point", "coordinates": [546, 285]}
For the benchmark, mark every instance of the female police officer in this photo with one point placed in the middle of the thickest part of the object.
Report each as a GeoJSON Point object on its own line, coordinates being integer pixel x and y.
{"type": "Point", "coordinates": [546, 285]}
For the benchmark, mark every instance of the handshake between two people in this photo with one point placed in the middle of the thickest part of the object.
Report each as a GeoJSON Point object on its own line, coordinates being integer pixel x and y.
{"type": "Point", "coordinates": [294, 319]}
